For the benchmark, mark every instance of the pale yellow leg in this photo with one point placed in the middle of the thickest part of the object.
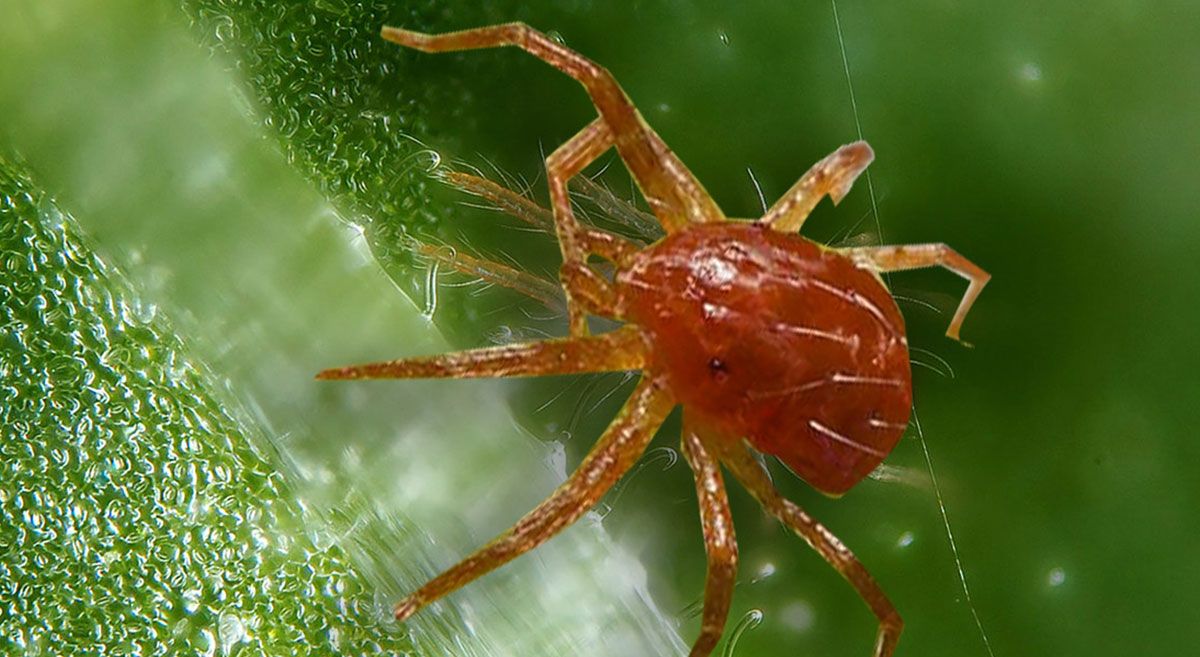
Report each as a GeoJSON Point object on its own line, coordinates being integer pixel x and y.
{"type": "Point", "coordinates": [623, 349]}
{"type": "Point", "coordinates": [751, 474]}
{"type": "Point", "coordinates": [915, 256]}
{"type": "Point", "coordinates": [616, 451]}
{"type": "Point", "coordinates": [833, 176]}
{"type": "Point", "coordinates": [545, 291]}
{"type": "Point", "coordinates": [674, 194]}
{"type": "Point", "coordinates": [720, 543]}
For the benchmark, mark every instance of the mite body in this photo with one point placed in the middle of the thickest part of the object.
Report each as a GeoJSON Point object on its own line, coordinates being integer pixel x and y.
{"type": "Point", "coordinates": [770, 336]}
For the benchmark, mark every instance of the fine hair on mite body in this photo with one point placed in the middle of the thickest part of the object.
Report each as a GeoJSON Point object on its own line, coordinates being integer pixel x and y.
{"type": "Point", "coordinates": [768, 340]}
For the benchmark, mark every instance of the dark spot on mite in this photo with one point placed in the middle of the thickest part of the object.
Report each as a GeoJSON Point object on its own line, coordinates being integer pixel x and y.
{"type": "Point", "coordinates": [718, 368]}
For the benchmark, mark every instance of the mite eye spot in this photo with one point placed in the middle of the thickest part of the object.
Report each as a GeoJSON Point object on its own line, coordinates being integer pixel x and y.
{"type": "Point", "coordinates": [718, 368]}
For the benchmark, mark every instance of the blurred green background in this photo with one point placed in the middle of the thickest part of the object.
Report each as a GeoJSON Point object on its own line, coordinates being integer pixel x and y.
{"type": "Point", "coordinates": [254, 169]}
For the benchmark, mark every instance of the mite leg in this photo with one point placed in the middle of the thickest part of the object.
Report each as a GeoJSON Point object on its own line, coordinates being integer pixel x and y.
{"type": "Point", "coordinates": [752, 475]}
{"type": "Point", "coordinates": [540, 289]}
{"type": "Point", "coordinates": [587, 291]}
{"type": "Point", "coordinates": [504, 199]}
{"type": "Point", "coordinates": [644, 225]}
{"type": "Point", "coordinates": [915, 256]}
{"type": "Point", "coordinates": [619, 350]}
{"type": "Point", "coordinates": [833, 176]}
{"type": "Point", "coordinates": [563, 164]}
{"type": "Point", "coordinates": [616, 451]}
{"type": "Point", "coordinates": [528, 211]}
{"type": "Point", "coordinates": [674, 194]}
{"type": "Point", "coordinates": [719, 541]}
{"type": "Point", "coordinates": [614, 247]}
{"type": "Point", "coordinates": [591, 291]}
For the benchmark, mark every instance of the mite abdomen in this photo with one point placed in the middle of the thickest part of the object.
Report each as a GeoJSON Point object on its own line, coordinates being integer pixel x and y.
{"type": "Point", "coordinates": [772, 337]}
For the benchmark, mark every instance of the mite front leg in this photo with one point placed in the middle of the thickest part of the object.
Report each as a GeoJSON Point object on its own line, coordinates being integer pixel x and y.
{"type": "Point", "coordinates": [620, 350]}
{"type": "Point", "coordinates": [590, 290]}
{"type": "Point", "coordinates": [617, 450]}
{"type": "Point", "coordinates": [563, 164]}
{"type": "Point", "coordinates": [504, 199]}
{"type": "Point", "coordinates": [540, 289]}
{"type": "Point", "coordinates": [833, 175]}
{"type": "Point", "coordinates": [915, 256]}
{"type": "Point", "coordinates": [720, 543]}
{"type": "Point", "coordinates": [594, 293]}
{"type": "Point", "coordinates": [643, 224]}
{"type": "Point", "coordinates": [751, 474]}
{"type": "Point", "coordinates": [674, 194]}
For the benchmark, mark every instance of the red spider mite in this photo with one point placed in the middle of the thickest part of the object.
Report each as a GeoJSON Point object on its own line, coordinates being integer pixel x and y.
{"type": "Point", "coordinates": [767, 340]}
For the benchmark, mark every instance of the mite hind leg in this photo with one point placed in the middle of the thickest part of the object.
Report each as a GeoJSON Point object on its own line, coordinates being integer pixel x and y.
{"type": "Point", "coordinates": [674, 194]}
{"type": "Point", "coordinates": [915, 256]}
{"type": "Point", "coordinates": [616, 451]}
{"type": "Point", "coordinates": [754, 477]}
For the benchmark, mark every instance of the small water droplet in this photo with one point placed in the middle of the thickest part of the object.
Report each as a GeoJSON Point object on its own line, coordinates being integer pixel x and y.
{"type": "Point", "coordinates": [34, 519]}
{"type": "Point", "coordinates": [724, 36]}
{"type": "Point", "coordinates": [191, 600]}
{"type": "Point", "coordinates": [224, 28]}
{"type": "Point", "coordinates": [326, 6]}
{"type": "Point", "coordinates": [799, 616]}
{"type": "Point", "coordinates": [428, 157]}
{"type": "Point", "coordinates": [764, 571]}
{"type": "Point", "coordinates": [231, 631]}
{"type": "Point", "coordinates": [906, 539]}
{"type": "Point", "coordinates": [1056, 577]}
{"type": "Point", "coordinates": [431, 300]}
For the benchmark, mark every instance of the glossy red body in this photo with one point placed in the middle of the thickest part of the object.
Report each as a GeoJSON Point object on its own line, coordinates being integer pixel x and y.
{"type": "Point", "coordinates": [772, 337]}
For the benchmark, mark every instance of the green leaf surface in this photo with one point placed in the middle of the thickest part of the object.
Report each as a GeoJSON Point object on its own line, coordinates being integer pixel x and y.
{"type": "Point", "coordinates": [141, 515]}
